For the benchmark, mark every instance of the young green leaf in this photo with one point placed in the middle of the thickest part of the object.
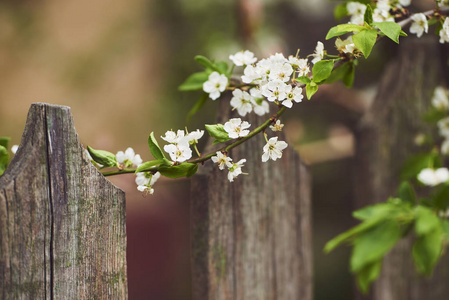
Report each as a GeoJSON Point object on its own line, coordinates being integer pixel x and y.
{"type": "Point", "coordinates": [147, 165]}
{"type": "Point", "coordinates": [340, 11]}
{"type": "Point", "coordinates": [322, 70]}
{"type": "Point", "coordinates": [381, 210]}
{"type": "Point", "coordinates": [343, 29]}
{"type": "Point", "coordinates": [303, 79]}
{"type": "Point", "coordinates": [351, 233]}
{"type": "Point", "coordinates": [182, 170]}
{"type": "Point", "coordinates": [390, 29]}
{"type": "Point", "coordinates": [102, 157]}
{"type": "Point", "coordinates": [194, 82]}
{"type": "Point", "coordinates": [426, 220]}
{"type": "Point", "coordinates": [440, 199]}
{"type": "Point", "coordinates": [407, 193]}
{"type": "Point", "coordinates": [368, 17]}
{"type": "Point", "coordinates": [4, 141]}
{"type": "Point", "coordinates": [368, 274]}
{"type": "Point", "coordinates": [154, 147]}
{"type": "Point", "coordinates": [427, 250]}
{"type": "Point", "coordinates": [4, 158]}
{"type": "Point", "coordinates": [373, 244]}
{"type": "Point", "coordinates": [198, 105]}
{"type": "Point", "coordinates": [311, 89]}
{"type": "Point", "coordinates": [365, 40]}
{"type": "Point", "coordinates": [434, 115]}
{"type": "Point", "coordinates": [217, 131]}
{"type": "Point", "coordinates": [222, 67]}
{"type": "Point", "coordinates": [205, 62]}
{"type": "Point", "coordinates": [348, 78]}
{"type": "Point", "coordinates": [416, 163]}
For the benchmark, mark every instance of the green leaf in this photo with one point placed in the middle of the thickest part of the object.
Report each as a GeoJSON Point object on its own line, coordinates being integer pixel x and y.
{"type": "Point", "coordinates": [303, 79]}
{"type": "Point", "coordinates": [182, 170]}
{"type": "Point", "coordinates": [194, 82]}
{"type": "Point", "coordinates": [381, 210]}
{"type": "Point", "coordinates": [368, 17]}
{"type": "Point", "coordinates": [102, 157]}
{"type": "Point", "coordinates": [322, 70]}
{"type": "Point", "coordinates": [445, 226]}
{"type": "Point", "coordinates": [365, 40]}
{"type": "Point", "coordinates": [426, 220]}
{"type": "Point", "coordinates": [390, 29]}
{"type": "Point", "coordinates": [198, 105]}
{"type": "Point", "coordinates": [217, 131]}
{"type": "Point", "coordinates": [311, 89]}
{"type": "Point", "coordinates": [222, 67]}
{"type": "Point", "coordinates": [416, 163]}
{"type": "Point", "coordinates": [368, 274]}
{"type": "Point", "coordinates": [149, 164]}
{"type": "Point", "coordinates": [4, 141]}
{"type": "Point", "coordinates": [351, 233]}
{"type": "Point", "coordinates": [434, 115]}
{"type": "Point", "coordinates": [373, 244]}
{"type": "Point", "coordinates": [440, 199]}
{"type": "Point", "coordinates": [427, 250]}
{"type": "Point", "coordinates": [4, 158]}
{"type": "Point", "coordinates": [340, 11]}
{"type": "Point", "coordinates": [345, 72]}
{"type": "Point", "coordinates": [154, 148]}
{"type": "Point", "coordinates": [205, 62]}
{"type": "Point", "coordinates": [407, 193]}
{"type": "Point", "coordinates": [343, 29]}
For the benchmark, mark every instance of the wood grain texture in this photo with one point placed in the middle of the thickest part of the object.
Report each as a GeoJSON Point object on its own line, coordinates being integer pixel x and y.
{"type": "Point", "coordinates": [252, 238]}
{"type": "Point", "coordinates": [384, 140]}
{"type": "Point", "coordinates": [62, 233]}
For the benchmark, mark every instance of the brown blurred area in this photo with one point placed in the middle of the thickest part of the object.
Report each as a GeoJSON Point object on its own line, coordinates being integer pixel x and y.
{"type": "Point", "coordinates": [117, 64]}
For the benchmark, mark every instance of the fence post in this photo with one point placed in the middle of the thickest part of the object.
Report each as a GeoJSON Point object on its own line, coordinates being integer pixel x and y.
{"type": "Point", "coordinates": [252, 237]}
{"type": "Point", "coordinates": [62, 224]}
{"type": "Point", "coordinates": [384, 139]}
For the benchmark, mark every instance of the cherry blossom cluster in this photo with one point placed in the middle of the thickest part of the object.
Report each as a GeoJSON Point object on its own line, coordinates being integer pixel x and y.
{"type": "Point", "coordinates": [430, 176]}
{"type": "Point", "coordinates": [179, 144]}
{"type": "Point", "coordinates": [235, 169]}
{"type": "Point", "coordinates": [382, 12]}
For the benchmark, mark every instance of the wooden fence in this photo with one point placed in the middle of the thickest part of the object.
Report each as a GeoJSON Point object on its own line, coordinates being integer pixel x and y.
{"type": "Point", "coordinates": [62, 224]}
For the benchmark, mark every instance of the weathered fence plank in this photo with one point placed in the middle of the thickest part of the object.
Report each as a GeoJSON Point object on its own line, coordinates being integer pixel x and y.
{"type": "Point", "coordinates": [62, 224]}
{"type": "Point", "coordinates": [384, 140]}
{"type": "Point", "coordinates": [252, 238]}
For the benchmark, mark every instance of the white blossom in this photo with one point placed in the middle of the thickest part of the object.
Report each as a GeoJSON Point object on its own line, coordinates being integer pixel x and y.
{"type": "Point", "coordinates": [380, 15]}
{"type": "Point", "coordinates": [15, 147]}
{"type": "Point", "coordinates": [178, 152]}
{"type": "Point", "coordinates": [345, 46]}
{"type": "Point", "coordinates": [419, 25]}
{"type": "Point", "coordinates": [146, 180]}
{"type": "Point", "coordinates": [175, 138]}
{"type": "Point", "coordinates": [442, 3]}
{"type": "Point", "coordinates": [241, 101]}
{"type": "Point", "coordinates": [405, 2]}
{"type": "Point", "coordinates": [128, 158]}
{"type": "Point", "coordinates": [194, 136]}
{"type": "Point", "coordinates": [440, 99]}
{"type": "Point", "coordinates": [444, 32]}
{"type": "Point", "coordinates": [222, 160]}
{"type": "Point", "coordinates": [357, 12]}
{"type": "Point", "coordinates": [273, 149]}
{"type": "Point", "coordinates": [277, 126]}
{"type": "Point", "coordinates": [251, 74]}
{"type": "Point", "coordinates": [215, 85]}
{"type": "Point", "coordinates": [236, 128]}
{"type": "Point", "coordinates": [443, 126]}
{"type": "Point", "coordinates": [281, 72]}
{"type": "Point", "coordinates": [235, 170]}
{"type": "Point", "coordinates": [260, 105]}
{"type": "Point", "coordinates": [445, 147]}
{"type": "Point", "coordinates": [303, 67]}
{"type": "Point", "coordinates": [275, 90]}
{"type": "Point", "coordinates": [243, 58]}
{"type": "Point", "coordinates": [293, 94]}
{"type": "Point", "coordinates": [319, 51]}
{"type": "Point", "coordinates": [433, 177]}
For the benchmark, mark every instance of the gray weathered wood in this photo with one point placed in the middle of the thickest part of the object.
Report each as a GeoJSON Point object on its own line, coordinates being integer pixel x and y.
{"type": "Point", "coordinates": [384, 140]}
{"type": "Point", "coordinates": [252, 238]}
{"type": "Point", "coordinates": [62, 224]}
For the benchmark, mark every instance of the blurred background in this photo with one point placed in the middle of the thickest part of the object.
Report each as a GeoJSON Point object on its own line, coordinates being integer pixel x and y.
{"type": "Point", "coordinates": [117, 64]}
